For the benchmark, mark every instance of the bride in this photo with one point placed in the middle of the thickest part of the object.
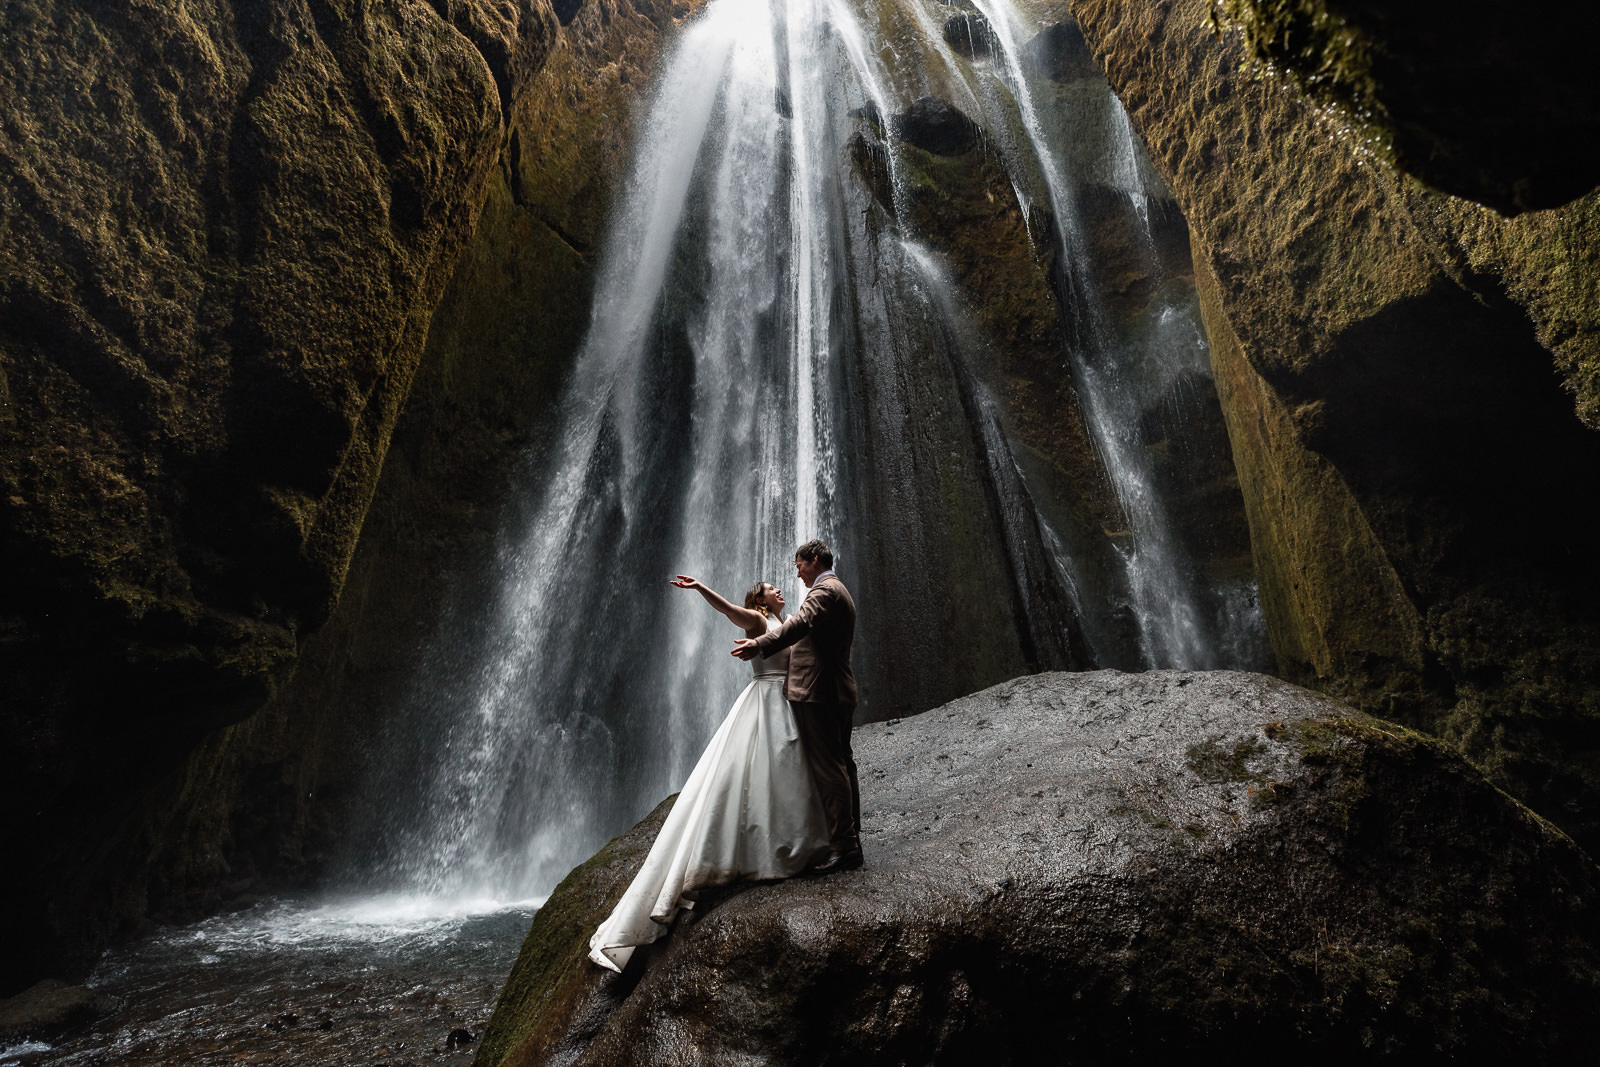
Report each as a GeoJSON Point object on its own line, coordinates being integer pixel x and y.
{"type": "Point", "coordinates": [748, 811]}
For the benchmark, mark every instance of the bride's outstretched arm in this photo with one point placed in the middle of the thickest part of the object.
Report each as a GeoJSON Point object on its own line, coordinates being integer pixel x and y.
{"type": "Point", "coordinates": [751, 622]}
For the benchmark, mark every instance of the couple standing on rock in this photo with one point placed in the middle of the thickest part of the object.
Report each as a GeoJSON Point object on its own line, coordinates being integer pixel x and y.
{"type": "Point", "coordinates": [774, 793]}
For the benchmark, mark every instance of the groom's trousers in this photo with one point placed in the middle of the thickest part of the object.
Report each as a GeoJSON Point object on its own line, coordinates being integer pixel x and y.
{"type": "Point", "coordinates": [825, 733]}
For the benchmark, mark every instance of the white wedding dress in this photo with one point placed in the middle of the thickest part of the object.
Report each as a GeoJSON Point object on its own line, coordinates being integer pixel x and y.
{"type": "Point", "coordinates": [748, 811]}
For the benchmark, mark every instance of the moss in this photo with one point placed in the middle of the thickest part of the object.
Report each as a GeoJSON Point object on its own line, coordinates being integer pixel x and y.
{"type": "Point", "coordinates": [1548, 262]}
{"type": "Point", "coordinates": [553, 974]}
{"type": "Point", "coordinates": [1392, 806]}
{"type": "Point", "coordinates": [1500, 117]}
{"type": "Point", "coordinates": [1322, 51]}
{"type": "Point", "coordinates": [1214, 760]}
{"type": "Point", "coordinates": [1217, 760]}
{"type": "Point", "coordinates": [1351, 750]}
{"type": "Point", "coordinates": [1329, 741]}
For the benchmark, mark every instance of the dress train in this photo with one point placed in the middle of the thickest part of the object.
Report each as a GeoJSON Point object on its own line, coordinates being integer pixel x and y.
{"type": "Point", "coordinates": [748, 811]}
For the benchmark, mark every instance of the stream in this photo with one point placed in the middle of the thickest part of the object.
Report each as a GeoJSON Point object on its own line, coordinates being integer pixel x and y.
{"type": "Point", "coordinates": [379, 981]}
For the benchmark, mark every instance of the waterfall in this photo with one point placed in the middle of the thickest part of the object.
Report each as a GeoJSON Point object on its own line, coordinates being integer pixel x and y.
{"type": "Point", "coordinates": [775, 353]}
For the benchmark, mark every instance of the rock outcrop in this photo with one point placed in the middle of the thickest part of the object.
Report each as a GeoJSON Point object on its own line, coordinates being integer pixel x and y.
{"type": "Point", "coordinates": [50, 1008]}
{"type": "Point", "coordinates": [226, 229]}
{"type": "Point", "coordinates": [1114, 867]}
{"type": "Point", "coordinates": [1473, 99]}
{"type": "Point", "coordinates": [1419, 488]}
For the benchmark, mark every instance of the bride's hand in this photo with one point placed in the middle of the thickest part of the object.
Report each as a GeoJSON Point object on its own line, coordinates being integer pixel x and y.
{"type": "Point", "coordinates": [683, 581]}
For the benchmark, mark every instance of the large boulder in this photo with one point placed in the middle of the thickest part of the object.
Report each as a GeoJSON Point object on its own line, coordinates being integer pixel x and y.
{"type": "Point", "coordinates": [1114, 867]}
{"type": "Point", "coordinates": [1391, 364]}
{"type": "Point", "coordinates": [226, 230]}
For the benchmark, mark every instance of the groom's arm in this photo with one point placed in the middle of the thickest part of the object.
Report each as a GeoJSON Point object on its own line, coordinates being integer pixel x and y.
{"type": "Point", "coordinates": [816, 604]}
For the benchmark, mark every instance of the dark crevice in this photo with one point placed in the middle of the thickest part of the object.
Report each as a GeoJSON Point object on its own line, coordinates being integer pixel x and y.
{"type": "Point", "coordinates": [566, 239]}
{"type": "Point", "coordinates": [514, 168]}
{"type": "Point", "coordinates": [567, 10]}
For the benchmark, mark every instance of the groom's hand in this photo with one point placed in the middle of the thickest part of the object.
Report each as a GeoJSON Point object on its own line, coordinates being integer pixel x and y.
{"type": "Point", "coordinates": [745, 648]}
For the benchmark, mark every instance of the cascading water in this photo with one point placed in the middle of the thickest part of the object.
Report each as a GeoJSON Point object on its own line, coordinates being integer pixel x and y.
{"type": "Point", "coordinates": [1171, 627]}
{"type": "Point", "coordinates": [776, 353]}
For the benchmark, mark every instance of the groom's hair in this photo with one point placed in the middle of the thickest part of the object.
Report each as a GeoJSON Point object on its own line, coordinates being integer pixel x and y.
{"type": "Point", "coordinates": [815, 549]}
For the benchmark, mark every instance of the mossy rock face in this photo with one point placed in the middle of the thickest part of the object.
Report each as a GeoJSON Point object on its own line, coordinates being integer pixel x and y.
{"type": "Point", "coordinates": [1116, 868]}
{"type": "Point", "coordinates": [226, 230]}
{"type": "Point", "coordinates": [555, 993]}
{"type": "Point", "coordinates": [1470, 98]}
{"type": "Point", "coordinates": [270, 803]}
{"type": "Point", "coordinates": [1391, 363]}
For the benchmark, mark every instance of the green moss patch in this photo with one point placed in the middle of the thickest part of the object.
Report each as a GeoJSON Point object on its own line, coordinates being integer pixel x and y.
{"type": "Point", "coordinates": [1215, 760]}
{"type": "Point", "coordinates": [553, 977]}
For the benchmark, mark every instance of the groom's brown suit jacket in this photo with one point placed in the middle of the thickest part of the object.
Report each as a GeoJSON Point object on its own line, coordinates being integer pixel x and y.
{"type": "Point", "coordinates": [821, 633]}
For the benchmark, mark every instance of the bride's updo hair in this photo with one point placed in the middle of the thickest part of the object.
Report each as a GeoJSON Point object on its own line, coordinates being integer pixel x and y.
{"type": "Point", "coordinates": [752, 599]}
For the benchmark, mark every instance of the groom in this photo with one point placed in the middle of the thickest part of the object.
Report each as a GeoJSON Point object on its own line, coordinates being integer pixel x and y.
{"type": "Point", "coordinates": [823, 693]}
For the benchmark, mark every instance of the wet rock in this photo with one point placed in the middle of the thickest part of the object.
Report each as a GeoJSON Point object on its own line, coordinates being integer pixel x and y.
{"type": "Point", "coordinates": [1060, 53]}
{"type": "Point", "coordinates": [459, 1038]}
{"type": "Point", "coordinates": [1113, 867]}
{"type": "Point", "coordinates": [965, 208]}
{"type": "Point", "coordinates": [937, 126]}
{"type": "Point", "coordinates": [871, 159]}
{"type": "Point", "coordinates": [50, 1008]}
{"type": "Point", "coordinates": [969, 34]}
{"type": "Point", "coordinates": [869, 113]}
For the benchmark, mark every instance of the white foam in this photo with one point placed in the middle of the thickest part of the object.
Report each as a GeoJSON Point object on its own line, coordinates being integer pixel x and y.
{"type": "Point", "coordinates": [368, 920]}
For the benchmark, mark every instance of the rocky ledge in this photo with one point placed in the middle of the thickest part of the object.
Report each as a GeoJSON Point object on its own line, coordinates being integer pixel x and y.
{"type": "Point", "coordinates": [1115, 867]}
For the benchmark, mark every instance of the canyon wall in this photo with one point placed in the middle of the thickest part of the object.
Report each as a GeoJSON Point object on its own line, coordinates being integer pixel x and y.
{"type": "Point", "coordinates": [1409, 378]}
{"type": "Point", "coordinates": [226, 229]}
{"type": "Point", "coordinates": [502, 339]}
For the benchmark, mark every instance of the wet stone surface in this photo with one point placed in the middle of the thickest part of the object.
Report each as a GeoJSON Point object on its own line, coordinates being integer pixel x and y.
{"type": "Point", "coordinates": [1110, 868]}
{"type": "Point", "coordinates": [356, 984]}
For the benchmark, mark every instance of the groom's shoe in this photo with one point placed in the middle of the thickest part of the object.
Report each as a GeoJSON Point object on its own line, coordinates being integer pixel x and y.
{"type": "Point", "coordinates": [850, 860]}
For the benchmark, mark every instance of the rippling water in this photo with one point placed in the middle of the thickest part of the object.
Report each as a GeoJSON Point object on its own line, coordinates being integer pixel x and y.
{"type": "Point", "coordinates": [376, 981]}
